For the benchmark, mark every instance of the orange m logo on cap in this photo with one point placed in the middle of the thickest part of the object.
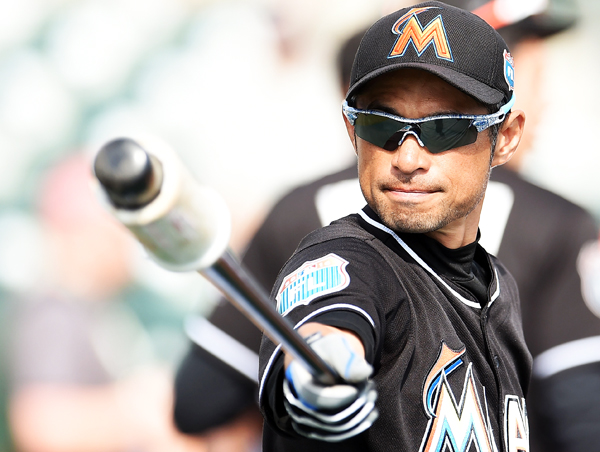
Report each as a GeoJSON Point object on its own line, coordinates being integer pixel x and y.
{"type": "Point", "coordinates": [410, 30]}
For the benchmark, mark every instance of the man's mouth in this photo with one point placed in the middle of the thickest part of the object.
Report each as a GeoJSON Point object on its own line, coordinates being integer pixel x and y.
{"type": "Point", "coordinates": [408, 193]}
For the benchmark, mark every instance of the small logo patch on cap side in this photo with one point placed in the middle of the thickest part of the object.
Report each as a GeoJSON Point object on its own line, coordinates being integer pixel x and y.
{"type": "Point", "coordinates": [313, 279]}
{"type": "Point", "coordinates": [410, 30]}
{"type": "Point", "coordinates": [509, 70]}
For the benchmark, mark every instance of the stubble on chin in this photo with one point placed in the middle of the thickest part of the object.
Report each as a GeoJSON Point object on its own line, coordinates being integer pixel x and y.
{"type": "Point", "coordinates": [412, 220]}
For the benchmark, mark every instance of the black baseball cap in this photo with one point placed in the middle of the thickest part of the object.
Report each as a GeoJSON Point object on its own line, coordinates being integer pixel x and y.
{"type": "Point", "coordinates": [454, 44]}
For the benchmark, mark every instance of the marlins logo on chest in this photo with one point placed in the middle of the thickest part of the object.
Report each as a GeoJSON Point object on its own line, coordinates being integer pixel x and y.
{"type": "Point", "coordinates": [464, 424]}
{"type": "Point", "coordinates": [410, 31]}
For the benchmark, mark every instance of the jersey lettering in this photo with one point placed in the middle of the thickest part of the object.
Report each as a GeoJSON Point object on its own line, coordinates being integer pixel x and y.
{"type": "Point", "coordinates": [410, 30]}
{"type": "Point", "coordinates": [313, 279]}
{"type": "Point", "coordinates": [516, 426]}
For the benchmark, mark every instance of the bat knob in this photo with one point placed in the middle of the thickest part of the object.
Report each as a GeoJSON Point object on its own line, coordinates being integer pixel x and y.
{"type": "Point", "coordinates": [131, 177]}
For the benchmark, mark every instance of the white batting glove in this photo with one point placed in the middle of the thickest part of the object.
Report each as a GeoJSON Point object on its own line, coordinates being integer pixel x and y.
{"type": "Point", "coordinates": [331, 412]}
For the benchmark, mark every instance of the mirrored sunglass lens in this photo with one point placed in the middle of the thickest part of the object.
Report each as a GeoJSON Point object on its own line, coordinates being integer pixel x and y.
{"type": "Point", "coordinates": [443, 134]}
{"type": "Point", "coordinates": [377, 130]}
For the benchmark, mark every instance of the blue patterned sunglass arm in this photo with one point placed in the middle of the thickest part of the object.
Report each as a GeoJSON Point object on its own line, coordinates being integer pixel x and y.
{"type": "Point", "coordinates": [484, 122]}
{"type": "Point", "coordinates": [349, 112]}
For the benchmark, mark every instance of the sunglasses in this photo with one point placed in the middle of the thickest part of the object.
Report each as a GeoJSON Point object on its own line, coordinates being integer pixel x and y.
{"type": "Point", "coordinates": [436, 133]}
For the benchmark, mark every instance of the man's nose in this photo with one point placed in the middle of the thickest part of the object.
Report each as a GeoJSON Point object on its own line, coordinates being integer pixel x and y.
{"type": "Point", "coordinates": [410, 154]}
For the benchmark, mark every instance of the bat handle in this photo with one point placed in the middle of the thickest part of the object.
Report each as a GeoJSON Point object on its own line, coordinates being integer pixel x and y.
{"type": "Point", "coordinates": [230, 277]}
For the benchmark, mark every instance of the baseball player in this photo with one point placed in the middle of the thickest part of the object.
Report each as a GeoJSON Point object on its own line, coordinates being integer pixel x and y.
{"type": "Point", "coordinates": [420, 323]}
{"type": "Point", "coordinates": [562, 404]}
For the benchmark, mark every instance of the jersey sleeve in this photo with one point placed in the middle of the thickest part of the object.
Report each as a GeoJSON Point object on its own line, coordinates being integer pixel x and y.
{"type": "Point", "coordinates": [343, 283]}
{"type": "Point", "coordinates": [341, 275]}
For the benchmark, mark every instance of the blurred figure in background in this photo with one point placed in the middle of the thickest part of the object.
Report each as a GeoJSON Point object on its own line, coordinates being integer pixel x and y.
{"type": "Point", "coordinates": [537, 234]}
{"type": "Point", "coordinates": [84, 377]}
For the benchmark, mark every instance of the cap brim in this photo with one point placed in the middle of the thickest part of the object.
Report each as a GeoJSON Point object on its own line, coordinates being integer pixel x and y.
{"type": "Point", "coordinates": [466, 84]}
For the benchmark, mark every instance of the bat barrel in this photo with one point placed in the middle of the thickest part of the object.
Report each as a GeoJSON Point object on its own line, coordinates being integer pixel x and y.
{"type": "Point", "coordinates": [185, 227]}
{"type": "Point", "coordinates": [182, 225]}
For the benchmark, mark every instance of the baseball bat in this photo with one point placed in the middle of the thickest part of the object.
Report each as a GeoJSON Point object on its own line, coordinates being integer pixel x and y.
{"type": "Point", "coordinates": [186, 227]}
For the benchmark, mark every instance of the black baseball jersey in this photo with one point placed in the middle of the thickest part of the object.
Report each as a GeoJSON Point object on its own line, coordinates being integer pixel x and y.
{"type": "Point", "coordinates": [441, 327]}
{"type": "Point", "coordinates": [548, 244]}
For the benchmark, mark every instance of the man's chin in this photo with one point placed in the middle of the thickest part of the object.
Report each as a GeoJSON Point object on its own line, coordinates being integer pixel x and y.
{"type": "Point", "coordinates": [410, 223]}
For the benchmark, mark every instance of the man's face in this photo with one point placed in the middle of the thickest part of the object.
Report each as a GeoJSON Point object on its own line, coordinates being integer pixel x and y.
{"type": "Point", "coordinates": [411, 189]}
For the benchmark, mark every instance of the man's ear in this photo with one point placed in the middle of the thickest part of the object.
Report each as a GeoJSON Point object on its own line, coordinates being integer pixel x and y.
{"type": "Point", "coordinates": [509, 137]}
{"type": "Point", "coordinates": [351, 132]}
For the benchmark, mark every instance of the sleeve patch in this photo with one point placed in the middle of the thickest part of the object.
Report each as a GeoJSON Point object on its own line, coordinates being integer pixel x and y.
{"type": "Point", "coordinates": [313, 279]}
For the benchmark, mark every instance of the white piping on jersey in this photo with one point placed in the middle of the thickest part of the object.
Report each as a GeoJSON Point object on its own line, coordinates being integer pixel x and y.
{"type": "Point", "coordinates": [332, 307]}
{"type": "Point", "coordinates": [267, 370]}
{"type": "Point", "coordinates": [423, 264]}
{"type": "Point", "coordinates": [337, 306]}
{"type": "Point", "coordinates": [221, 345]}
{"type": "Point", "coordinates": [566, 356]}
{"type": "Point", "coordinates": [336, 200]}
{"type": "Point", "coordinates": [497, 205]}
{"type": "Point", "coordinates": [497, 291]}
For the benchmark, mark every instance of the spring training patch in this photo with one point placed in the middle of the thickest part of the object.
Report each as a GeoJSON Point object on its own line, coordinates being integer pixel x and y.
{"type": "Point", "coordinates": [313, 279]}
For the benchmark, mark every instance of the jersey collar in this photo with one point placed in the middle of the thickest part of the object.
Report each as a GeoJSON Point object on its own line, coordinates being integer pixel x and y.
{"type": "Point", "coordinates": [432, 265]}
